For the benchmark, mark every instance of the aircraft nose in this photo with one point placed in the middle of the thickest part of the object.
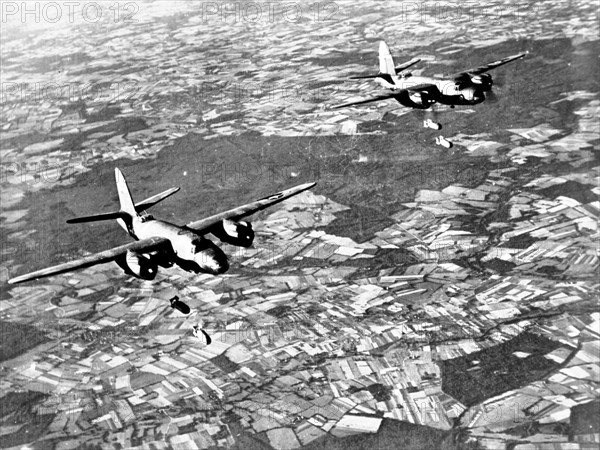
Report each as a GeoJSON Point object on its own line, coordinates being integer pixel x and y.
{"type": "Point", "coordinates": [219, 266]}
{"type": "Point", "coordinates": [212, 260]}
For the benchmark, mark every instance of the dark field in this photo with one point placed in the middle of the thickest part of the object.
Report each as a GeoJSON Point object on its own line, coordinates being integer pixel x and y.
{"type": "Point", "coordinates": [17, 338]}
{"type": "Point", "coordinates": [395, 435]}
{"type": "Point", "coordinates": [498, 369]}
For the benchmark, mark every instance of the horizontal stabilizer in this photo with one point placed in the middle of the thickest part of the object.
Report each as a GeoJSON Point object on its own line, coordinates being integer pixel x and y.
{"type": "Point", "coordinates": [365, 77]}
{"type": "Point", "coordinates": [97, 217]}
{"type": "Point", "coordinates": [406, 65]}
{"type": "Point", "coordinates": [368, 100]}
{"type": "Point", "coordinates": [141, 206]}
{"type": "Point", "coordinates": [151, 201]}
{"type": "Point", "coordinates": [384, 76]}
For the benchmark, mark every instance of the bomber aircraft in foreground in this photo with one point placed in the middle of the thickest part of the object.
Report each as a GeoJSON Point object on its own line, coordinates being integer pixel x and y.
{"type": "Point", "coordinates": [160, 243]}
{"type": "Point", "coordinates": [463, 88]}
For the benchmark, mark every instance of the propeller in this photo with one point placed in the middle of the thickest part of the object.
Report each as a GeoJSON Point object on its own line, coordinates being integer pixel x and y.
{"type": "Point", "coordinates": [491, 96]}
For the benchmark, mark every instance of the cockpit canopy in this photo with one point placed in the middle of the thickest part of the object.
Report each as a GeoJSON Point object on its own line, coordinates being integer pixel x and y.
{"type": "Point", "coordinates": [145, 217]}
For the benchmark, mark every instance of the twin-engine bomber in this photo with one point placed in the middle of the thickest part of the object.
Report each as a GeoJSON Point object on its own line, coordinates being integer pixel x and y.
{"type": "Point", "coordinates": [159, 243]}
{"type": "Point", "coordinates": [420, 92]}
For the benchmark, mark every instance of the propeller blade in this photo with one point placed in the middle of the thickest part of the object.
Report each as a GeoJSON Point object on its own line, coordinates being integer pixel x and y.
{"type": "Point", "coordinates": [491, 96]}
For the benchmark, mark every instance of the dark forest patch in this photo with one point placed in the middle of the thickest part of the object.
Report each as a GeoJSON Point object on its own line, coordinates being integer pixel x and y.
{"type": "Point", "coordinates": [497, 369]}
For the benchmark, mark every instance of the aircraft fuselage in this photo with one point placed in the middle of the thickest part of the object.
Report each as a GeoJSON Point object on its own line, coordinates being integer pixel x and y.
{"type": "Point", "coordinates": [444, 91]}
{"type": "Point", "coordinates": [190, 251]}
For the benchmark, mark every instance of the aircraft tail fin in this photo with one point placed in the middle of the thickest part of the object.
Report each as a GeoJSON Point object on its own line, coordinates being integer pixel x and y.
{"type": "Point", "coordinates": [387, 70]}
{"type": "Point", "coordinates": [125, 198]}
{"type": "Point", "coordinates": [386, 61]}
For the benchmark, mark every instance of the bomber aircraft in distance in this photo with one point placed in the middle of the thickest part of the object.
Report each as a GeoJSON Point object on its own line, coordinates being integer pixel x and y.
{"type": "Point", "coordinates": [463, 88]}
{"type": "Point", "coordinates": [160, 243]}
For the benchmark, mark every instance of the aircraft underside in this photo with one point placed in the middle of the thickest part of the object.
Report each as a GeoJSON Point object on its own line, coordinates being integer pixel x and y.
{"type": "Point", "coordinates": [425, 100]}
{"type": "Point", "coordinates": [209, 259]}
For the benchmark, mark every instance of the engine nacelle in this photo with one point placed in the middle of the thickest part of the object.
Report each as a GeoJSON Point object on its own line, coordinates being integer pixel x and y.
{"type": "Point", "coordinates": [472, 95]}
{"type": "Point", "coordinates": [209, 259]}
{"type": "Point", "coordinates": [483, 81]}
{"type": "Point", "coordinates": [423, 98]}
{"type": "Point", "coordinates": [239, 234]}
{"type": "Point", "coordinates": [139, 265]}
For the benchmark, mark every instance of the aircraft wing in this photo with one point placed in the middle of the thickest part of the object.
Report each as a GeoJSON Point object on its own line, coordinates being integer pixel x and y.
{"type": "Point", "coordinates": [240, 212]}
{"type": "Point", "coordinates": [420, 87]}
{"type": "Point", "coordinates": [369, 100]}
{"type": "Point", "coordinates": [482, 69]}
{"type": "Point", "coordinates": [145, 245]}
{"type": "Point", "coordinates": [395, 94]}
